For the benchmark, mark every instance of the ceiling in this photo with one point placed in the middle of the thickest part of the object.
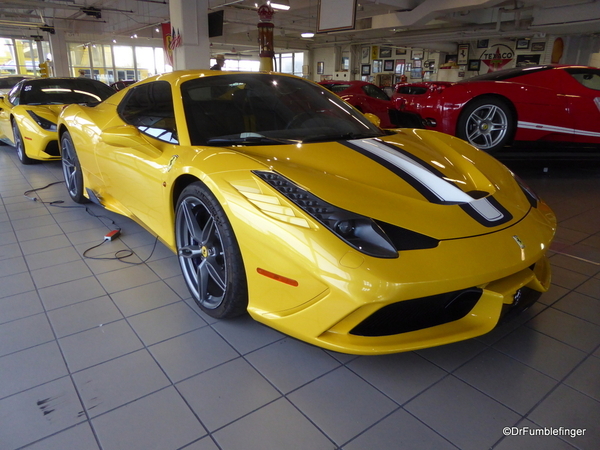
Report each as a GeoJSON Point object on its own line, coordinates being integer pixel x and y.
{"type": "Point", "coordinates": [428, 24]}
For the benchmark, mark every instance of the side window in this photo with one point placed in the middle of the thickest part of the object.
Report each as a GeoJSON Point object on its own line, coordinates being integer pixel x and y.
{"type": "Point", "coordinates": [375, 92]}
{"type": "Point", "coordinates": [13, 95]}
{"type": "Point", "coordinates": [588, 78]}
{"type": "Point", "coordinates": [337, 88]}
{"type": "Point", "coordinates": [149, 108]}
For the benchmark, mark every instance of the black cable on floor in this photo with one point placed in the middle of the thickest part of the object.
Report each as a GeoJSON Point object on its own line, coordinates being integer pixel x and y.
{"type": "Point", "coordinates": [59, 204]}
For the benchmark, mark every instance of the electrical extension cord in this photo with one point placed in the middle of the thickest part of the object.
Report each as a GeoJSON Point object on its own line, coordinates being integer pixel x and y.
{"type": "Point", "coordinates": [112, 235]}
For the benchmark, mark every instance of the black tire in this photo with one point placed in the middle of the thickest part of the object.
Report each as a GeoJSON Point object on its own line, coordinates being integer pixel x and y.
{"type": "Point", "coordinates": [20, 146]}
{"type": "Point", "coordinates": [72, 169]}
{"type": "Point", "coordinates": [487, 123]}
{"type": "Point", "coordinates": [209, 255]}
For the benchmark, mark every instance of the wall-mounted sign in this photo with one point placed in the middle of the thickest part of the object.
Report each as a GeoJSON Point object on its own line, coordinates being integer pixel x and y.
{"type": "Point", "coordinates": [497, 57]}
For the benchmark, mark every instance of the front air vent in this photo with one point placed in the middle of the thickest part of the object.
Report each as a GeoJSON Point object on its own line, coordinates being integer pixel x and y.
{"type": "Point", "coordinates": [418, 314]}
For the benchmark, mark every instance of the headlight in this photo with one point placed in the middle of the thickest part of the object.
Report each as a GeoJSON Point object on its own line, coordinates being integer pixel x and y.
{"type": "Point", "coordinates": [43, 123]}
{"type": "Point", "coordinates": [532, 197]}
{"type": "Point", "coordinates": [360, 232]}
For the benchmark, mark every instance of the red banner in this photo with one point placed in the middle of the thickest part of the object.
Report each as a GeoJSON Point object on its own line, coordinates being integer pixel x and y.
{"type": "Point", "coordinates": [166, 32]}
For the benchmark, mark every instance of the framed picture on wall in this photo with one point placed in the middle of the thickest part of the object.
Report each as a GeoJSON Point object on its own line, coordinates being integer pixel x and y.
{"type": "Point", "coordinates": [483, 43]}
{"type": "Point", "coordinates": [417, 63]}
{"type": "Point", "coordinates": [522, 44]}
{"type": "Point", "coordinates": [474, 65]}
{"type": "Point", "coordinates": [374, 52]}
{"type": "Point", "coordinates": [385, 80]}
{"type": "Point", "coordinates": [377, 65]}
{"type": "Point", "coordinates": [417, 54]}
{"type": "Point", "coordinates": [463, 54]}
{"type": "Point", "coordinates": [320, 67]}
{"type": "Point", "coordinates": [399, 66]}
{"type": "Point", "coordinates": [400, 51]}
{"type": "Point", "coordinates": [528, 60]}
{"type": "Point", "coordinates": [538, 46]}
{"type": "Point", "coordinates": [365, 69]}
{"type": "Point", "coordinates": [345, 63]}
{"type": "Point", "coordinates": [385, 52]}
{"type": "Point", "coordinates": [388, 65]}
{"type": "Point", "coordinates": [365, 55]}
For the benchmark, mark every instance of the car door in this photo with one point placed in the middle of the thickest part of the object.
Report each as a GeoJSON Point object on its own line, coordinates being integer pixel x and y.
{"type": "Point", "coordinates": [582, 88]}
{"type": "Point", "coordinates": [377, 102]}
{"type": "Point", "coordinates": [135, 157]}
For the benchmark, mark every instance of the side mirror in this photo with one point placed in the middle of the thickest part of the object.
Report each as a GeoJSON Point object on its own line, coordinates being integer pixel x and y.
{"type": "Point", "coordinates": [373, 119]}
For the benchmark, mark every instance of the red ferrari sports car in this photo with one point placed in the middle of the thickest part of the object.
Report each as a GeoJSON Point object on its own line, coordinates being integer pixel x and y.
{"type": "Point", "coordinates": [367, 98]}
{"type": "Point", "coordinates": [536, 103]}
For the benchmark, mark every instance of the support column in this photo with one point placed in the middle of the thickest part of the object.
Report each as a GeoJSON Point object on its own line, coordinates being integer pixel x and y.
{"type": "Point", "coordinates": [190, 19]}
{"type": "Point", "coordinates": [265, 37]}
{"type": "Point", "coordinates": [58, 47]}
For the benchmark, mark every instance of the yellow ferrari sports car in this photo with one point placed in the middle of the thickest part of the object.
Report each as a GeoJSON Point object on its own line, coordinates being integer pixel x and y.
{"type": "Point", "coordinates": [283, 201]}
{"type": "Point", "coordinates": [28, 113]}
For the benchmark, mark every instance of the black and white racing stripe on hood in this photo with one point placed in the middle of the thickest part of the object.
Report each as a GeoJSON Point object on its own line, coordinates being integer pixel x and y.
{"type": "Point", "coordinates": [429, 181]}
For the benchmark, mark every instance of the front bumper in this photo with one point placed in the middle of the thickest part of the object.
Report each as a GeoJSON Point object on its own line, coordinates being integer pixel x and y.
{"type": "Point", "coordinates": [425, 298]}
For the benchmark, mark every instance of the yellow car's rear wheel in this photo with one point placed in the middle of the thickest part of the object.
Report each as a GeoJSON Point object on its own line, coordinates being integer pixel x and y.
{"type": "Point", "coordinates": [20, 146]}
{"type": "Point", "coordinates": [209, 254]}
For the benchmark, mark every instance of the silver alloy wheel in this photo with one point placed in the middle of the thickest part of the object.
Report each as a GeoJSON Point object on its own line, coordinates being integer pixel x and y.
{"type": "Point", "coordinates": [20, 145]}
{"type": "Point", "coordinates": [18, 142]}
{"type": "Point", "coordinates": [201, 252]}
{"type": "Point", "coordinates": [486, 126]}
{"type": "Point", "coordinates": [69, 166]}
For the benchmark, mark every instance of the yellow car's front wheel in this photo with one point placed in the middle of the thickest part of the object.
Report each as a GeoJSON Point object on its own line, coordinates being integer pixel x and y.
{"type": "Point", "coordinates": [71, 169]}
{"type": "Point", "coordinates": [20, 146]}
{"type": "Point", "coordinates": [209, 254]}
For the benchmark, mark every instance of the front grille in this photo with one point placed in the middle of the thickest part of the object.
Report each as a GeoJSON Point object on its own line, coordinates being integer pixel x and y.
{"type": "Point", "coordinates": [420, 313]}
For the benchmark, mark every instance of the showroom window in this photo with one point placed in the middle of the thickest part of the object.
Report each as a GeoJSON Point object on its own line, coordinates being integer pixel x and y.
{"type": "Point", "coordinates": [289, 63]}
{"type": "Point", "coordinates": [149, 108]}
{"type": "Point", "coordinates": [22, 56]}
{"type": "Point", "coordinates": [111, 63]}
{"type": "Point", "coordinates": [236, 64]}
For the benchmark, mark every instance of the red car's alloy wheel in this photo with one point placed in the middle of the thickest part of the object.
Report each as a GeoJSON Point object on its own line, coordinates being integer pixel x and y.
{"type": "Point", "coordinates": [486, 124]}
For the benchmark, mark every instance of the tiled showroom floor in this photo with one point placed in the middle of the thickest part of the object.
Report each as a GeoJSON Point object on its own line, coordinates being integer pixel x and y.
{"type": "Point", "coordinates": [98, 354]}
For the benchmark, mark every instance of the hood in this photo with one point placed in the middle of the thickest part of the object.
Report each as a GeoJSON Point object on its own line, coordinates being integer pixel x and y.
{"type": "Point", "coordinates": [420, 180]}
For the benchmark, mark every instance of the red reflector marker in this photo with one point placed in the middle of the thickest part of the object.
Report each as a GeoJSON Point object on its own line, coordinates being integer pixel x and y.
{"type": "Point", "coordinates": [276, 277]}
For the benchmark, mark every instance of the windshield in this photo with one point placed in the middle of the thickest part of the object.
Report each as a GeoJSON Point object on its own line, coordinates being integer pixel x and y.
{"type": "Point", "coordinates": [59, 91]}
{"type": "Point", "coordinates": [259, 109]}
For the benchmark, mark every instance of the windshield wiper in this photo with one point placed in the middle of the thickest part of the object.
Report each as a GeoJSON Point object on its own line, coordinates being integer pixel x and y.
{"type": "Point", "coordinates": [248, 140]}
